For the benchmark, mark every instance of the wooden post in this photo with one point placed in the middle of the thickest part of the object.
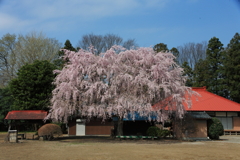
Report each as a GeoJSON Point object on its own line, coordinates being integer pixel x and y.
{"type": "Point", "coordinates": [9, 127]}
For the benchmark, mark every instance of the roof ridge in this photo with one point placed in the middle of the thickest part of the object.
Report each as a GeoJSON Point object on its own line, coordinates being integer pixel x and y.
{"type": "Point", "coordinates": [28, 110]}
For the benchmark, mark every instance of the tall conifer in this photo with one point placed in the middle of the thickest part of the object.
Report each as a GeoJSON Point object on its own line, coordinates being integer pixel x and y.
{"type": "Point", "coordinates": [232, 68]}
{"type": "Point", "coordinates": [214, 66]}
{"type": "Point", "coordinates": [188, 72]}
{"type": "Point", "coordinates": [60, 62]}
{"type": "Point", "coordinates": [200, 74]}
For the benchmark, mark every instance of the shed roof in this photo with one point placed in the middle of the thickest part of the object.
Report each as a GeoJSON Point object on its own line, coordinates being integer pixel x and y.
{"type": "Point", "coordinates": [211, 102]}
{"type": "Point", "coordinates": [26, 115]}
{"type": "Point", "coordinates": [199, 115]}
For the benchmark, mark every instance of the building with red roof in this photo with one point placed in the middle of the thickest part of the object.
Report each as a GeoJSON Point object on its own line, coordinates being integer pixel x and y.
{"type": "Point", "coordinates": [29, 116]}
{"type": "Point", "coordinates": [204, 106]}
{"type": "Point", "coordinates": [212, 102]}
{"type": "Point", "coordinates": [26, 115]}
{"type": "Point", "coordinates": [227, 111]}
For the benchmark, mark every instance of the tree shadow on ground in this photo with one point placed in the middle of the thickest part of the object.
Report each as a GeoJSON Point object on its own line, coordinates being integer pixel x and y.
{"type": "Point", "coordinates": [108, 139]}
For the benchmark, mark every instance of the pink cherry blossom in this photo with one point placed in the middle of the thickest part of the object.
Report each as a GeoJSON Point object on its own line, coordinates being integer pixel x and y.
{"type": "Point", "coordinates": [119, 82]}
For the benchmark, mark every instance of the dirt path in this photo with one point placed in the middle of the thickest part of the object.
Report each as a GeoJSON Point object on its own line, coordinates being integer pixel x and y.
{"type": "Point", "coordinates": [81, 148]}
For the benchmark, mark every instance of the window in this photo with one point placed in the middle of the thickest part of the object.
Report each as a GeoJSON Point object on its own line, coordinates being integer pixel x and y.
{"type": "Point", "coordinates": [211, 114]}
{"type": "Point", "coordinates": [226, 122]}
{"type": "Point", "coordinates": [221, 114]}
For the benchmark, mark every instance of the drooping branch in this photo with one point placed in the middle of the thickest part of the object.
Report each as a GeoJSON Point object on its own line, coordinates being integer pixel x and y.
{"type": "Point", "coordinates": [118, 84]}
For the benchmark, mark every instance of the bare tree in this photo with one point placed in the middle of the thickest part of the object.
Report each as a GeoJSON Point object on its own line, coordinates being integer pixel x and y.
{"type": "Point", "coordinates": [16, 51]}
{"type": "Point", "coordinates": [129, 44]}
{"type": "Point", "coordinates": [36, 46]}
{"type": "Point", "coordinates": [103, 43]}
{"type": "Point", "coordinates": [192, 53]}
{"type": "Point", "coordinates": [7, 60]}
{"type": "Point", "coordinates": [92, 40]}
{"type": "Point", "coordinates": [111, 40]}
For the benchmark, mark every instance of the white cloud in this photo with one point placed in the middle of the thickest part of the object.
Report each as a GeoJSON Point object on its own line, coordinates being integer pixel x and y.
{"type": "Point", "coordinates": [45, 9]}
{"type": "Point", "coordinates": [50, 15]}
{"type": "Point", "coordinates": [8, 21]}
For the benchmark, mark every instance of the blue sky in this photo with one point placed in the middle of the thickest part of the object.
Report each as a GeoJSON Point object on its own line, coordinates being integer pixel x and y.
{"type": "Point", "coordinates": [173, 22]}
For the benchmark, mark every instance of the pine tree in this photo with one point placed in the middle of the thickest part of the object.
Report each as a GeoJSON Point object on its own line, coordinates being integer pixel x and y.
{"type": "Point", "coordinates": [199, 74]}
{"type": "Point", "coordinates": [32, 88]}
{"type": "Point", "coordinates": [189, 73]}
{"type": "Point", "coordinates": [175, 52]}
{"type": "Point", "coordinates": [60, 62]}
{"type": "Point", "coordinates": [6, 101]}
{"type": "Point", "coordinates": [214, 66]}
{"type": "Point", "coordinates": [69, 46]}
{"type": "Point", "coordinates": [160, 47]}
{"type": "Point", "coordinates": [232, 68]}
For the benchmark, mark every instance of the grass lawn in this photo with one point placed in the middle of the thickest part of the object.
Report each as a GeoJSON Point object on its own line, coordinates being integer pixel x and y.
{"type": "Point", "coordinates": [97, 148]}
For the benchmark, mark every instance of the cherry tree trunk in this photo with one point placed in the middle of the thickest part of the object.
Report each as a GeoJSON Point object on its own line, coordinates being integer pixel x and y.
{"type": "Point", "coordinates": [120, 127]}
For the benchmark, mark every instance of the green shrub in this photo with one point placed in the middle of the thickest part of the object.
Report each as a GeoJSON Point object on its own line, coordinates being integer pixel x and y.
{"type": "Point", "coordinates": [62, 126]}
{"type": "Point", "coordinates": [163, 133]}
{"type": "Point", "coordinates": [153, 131]}
{"type": "Point", "coordinates": [215, 128]}
{"type": "Point", "coordinates": [49, 131]}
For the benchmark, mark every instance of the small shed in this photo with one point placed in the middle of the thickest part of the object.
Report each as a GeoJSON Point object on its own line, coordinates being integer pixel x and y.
{"type": "Point", "coordinates": [32, 116]}
{"type": "Point", "coordinates": [200, 119]}
{"type": "Point", "coordinates": [26, 115]}
{"type": "Point", "coordinates": [192, 126]}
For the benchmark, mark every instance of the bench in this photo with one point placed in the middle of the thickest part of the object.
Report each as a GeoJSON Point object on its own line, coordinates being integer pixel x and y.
{"type": "Point", "coordinates": [35, 136]}
{"type": "Point", "coordinates": [22, 135]}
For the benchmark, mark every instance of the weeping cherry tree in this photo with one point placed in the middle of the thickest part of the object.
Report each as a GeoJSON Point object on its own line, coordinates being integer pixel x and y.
{"type": "Point", "coordinates": [119, 83]}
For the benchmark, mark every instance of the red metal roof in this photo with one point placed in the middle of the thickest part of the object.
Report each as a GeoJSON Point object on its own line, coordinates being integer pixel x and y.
{"type": "Point", "coordinates": [211, 102]}
{"type": "Point", "coordinates": [26, 115]}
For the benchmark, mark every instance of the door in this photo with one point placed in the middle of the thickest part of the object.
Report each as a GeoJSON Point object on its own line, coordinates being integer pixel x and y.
{"type": "Point", "coordinates": [80, 127]}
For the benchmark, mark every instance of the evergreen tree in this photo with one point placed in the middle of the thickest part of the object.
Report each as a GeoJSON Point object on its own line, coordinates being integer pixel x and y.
{"type": "Point", "coordinates": [199, 74]}
{"type": "Point", "coordinates": [175, 52]}
{"type": "Point", "coordinates": [6, 101]}
{"type": "Point", "coordinates": [189, 73]}
{"type": "Point", "coordinates": [33, 87]}
{"type": "Point", "coordinates": [60, 62]}
{"type": "Point", "coordinates": [69, 46]}
{"type": "Point", "coordinates": [232, 68]}
{"type": "Point", "coordinates": [160, 47]}
{"type": "Point", "coordinates": [214, 66]}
